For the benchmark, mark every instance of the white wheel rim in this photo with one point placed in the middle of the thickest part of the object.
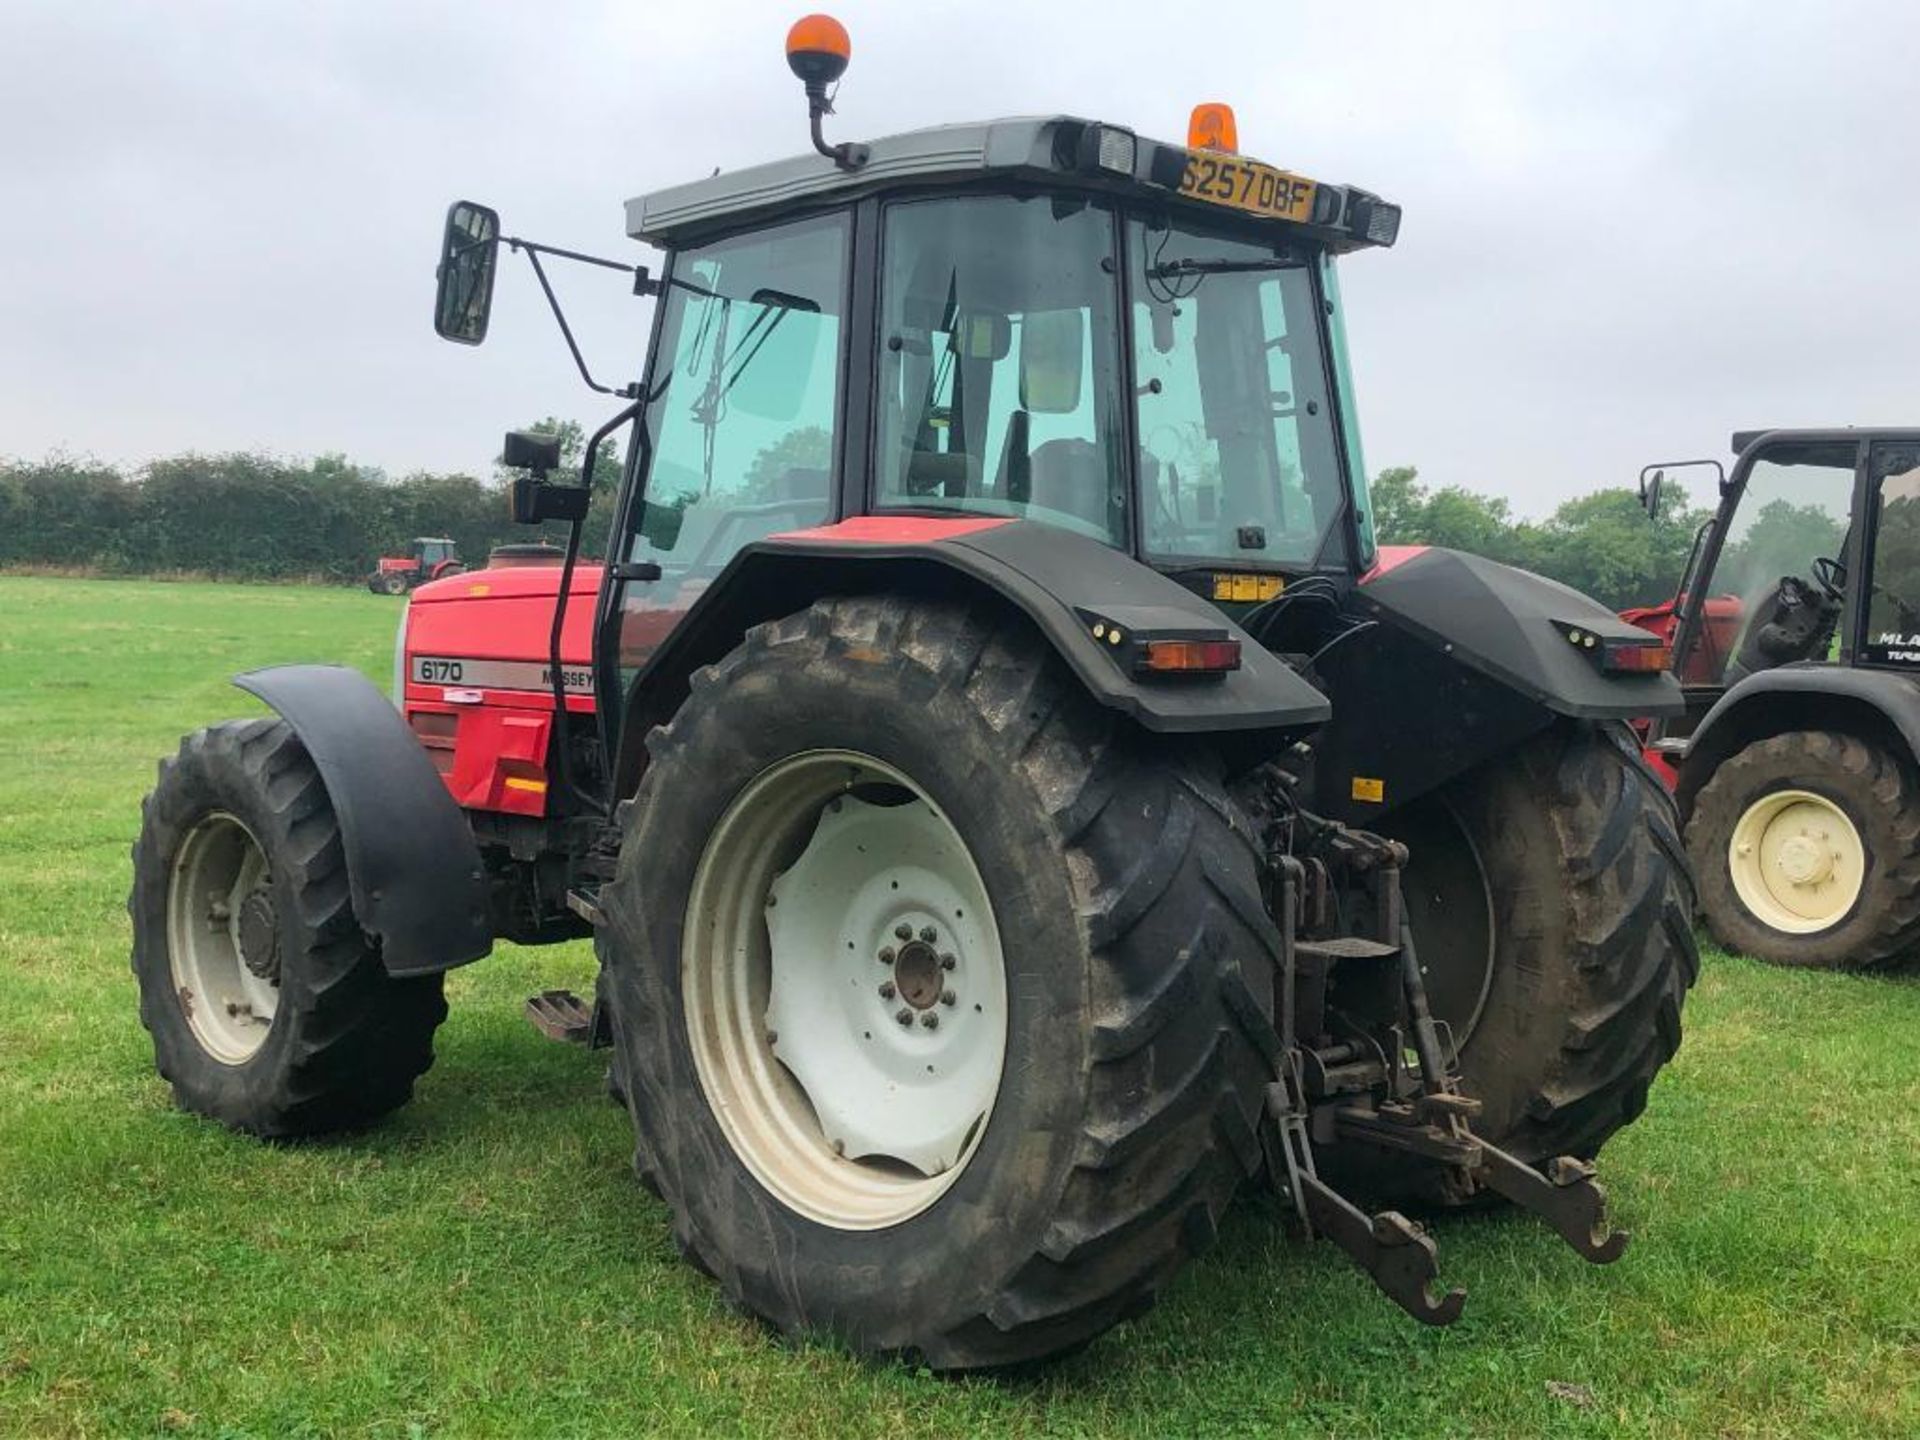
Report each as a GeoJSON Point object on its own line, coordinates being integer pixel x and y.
{"type": "Point", "coordinates": [1797, 861]}
{"type": "Point", "coordinates": [218, 903]}
{"type": "Point", "coordinates": [795, 977]}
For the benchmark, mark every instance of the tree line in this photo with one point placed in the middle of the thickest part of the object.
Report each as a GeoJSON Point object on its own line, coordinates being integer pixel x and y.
{"type": "Point", "coordinates": [243, 516]}
{"type": "Point", "coordinates": [256, 517]}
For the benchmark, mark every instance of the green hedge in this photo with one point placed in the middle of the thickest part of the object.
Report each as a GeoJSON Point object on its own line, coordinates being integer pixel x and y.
{"type": "Point", "coordinates": [253, 517]}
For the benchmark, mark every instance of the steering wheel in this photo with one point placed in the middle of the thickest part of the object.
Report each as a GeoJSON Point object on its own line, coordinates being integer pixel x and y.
{"type": "Point", "coordinates": [1831, 575]}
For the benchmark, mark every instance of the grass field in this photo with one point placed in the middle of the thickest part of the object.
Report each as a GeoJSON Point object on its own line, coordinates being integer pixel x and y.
{"type": "Point", "coordinates": [484, 1263]}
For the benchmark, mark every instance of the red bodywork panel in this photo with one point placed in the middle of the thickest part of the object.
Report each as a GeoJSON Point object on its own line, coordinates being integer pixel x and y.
{"type": "Point", "coordinates": [477, 686]}
{"type": "Point", "coordinates": [892, 530]}
{"type": "Point", "coordinates": [398, 564]}
{"type": "Point", "coordinates": [1390, 557]}
{"type": "Point", "coordinates": [1705, 662]}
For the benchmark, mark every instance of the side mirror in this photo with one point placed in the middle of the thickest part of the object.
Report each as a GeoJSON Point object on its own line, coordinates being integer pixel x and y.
{"type": "Point", "coordinates": [1650, 485]}
{"type": "Point", "coordinates": [468, 248]}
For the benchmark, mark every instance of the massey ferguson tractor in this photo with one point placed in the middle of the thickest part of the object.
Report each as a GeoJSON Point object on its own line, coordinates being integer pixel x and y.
{"type": "Point", "coordinates": [1796, 636]}
{"type": "Point", "coordinates": [431, 558]}
{"type": "Point", "coordinates": [1013, 800]}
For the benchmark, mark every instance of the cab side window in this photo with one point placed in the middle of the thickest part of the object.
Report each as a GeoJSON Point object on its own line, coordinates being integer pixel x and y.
{"type": "Point", "coordinates": [1893, 604]}
{"type": "Point", "coordinates": [744, 395]}
{"type": "Point", "coordinates": [999, 368]}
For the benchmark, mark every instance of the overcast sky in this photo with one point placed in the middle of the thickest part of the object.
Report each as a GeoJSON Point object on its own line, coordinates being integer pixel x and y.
{"type": "Point", "coordinates": [1630, 227]}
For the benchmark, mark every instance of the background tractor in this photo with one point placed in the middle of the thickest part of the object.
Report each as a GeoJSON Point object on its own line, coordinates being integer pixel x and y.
{"type": "Point", "coordinates": [1013, 800]}
{"type": "Point", "coordinates": [432, 558]}
{"type": "Point", "coordinates": [1796, 634]}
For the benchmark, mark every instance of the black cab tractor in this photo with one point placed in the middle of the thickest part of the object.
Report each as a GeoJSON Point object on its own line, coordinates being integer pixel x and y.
{"type": "Point", "coordinates": [431, 557]}
{"type": "Point", "coordinates": [1796, 637]}
{"type": "Point", "coordinates": [1014, 802]}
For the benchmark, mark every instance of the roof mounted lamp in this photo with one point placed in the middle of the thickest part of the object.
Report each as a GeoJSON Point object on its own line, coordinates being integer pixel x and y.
{"type": "Point", "coordinates": [817, 51]}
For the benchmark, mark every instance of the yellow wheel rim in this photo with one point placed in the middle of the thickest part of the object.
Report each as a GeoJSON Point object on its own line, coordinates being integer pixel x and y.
{"type": "Point", "coordinates": [1797, 862]}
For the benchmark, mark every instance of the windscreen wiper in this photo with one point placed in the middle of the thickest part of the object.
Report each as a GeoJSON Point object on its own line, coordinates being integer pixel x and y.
{"type": "Point", "coordinates": [1167, 269]}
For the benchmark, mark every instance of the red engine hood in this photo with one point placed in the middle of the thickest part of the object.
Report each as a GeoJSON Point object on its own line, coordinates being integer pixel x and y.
{"type": "Point", "coordinates": [503, 615]}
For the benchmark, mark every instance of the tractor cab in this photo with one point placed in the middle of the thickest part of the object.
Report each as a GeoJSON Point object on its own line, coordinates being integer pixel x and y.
{"type": "Point", "coordinates": [1054, 320]}
{"type": "Point", "coordinates": [1796, 632]}
{"type": "Point", "coordinates": [1785, 573]}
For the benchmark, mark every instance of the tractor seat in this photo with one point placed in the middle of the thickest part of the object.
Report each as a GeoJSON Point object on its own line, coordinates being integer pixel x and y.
{"type": "Point", "coordinates": [1070, 476]}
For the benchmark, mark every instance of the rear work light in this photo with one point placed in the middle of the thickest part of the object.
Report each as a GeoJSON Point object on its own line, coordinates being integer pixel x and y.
{"type": "Point", "coordinates": [1372, 219]}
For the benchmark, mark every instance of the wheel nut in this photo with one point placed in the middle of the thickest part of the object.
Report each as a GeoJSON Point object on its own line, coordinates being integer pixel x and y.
{"type": "Point", "coordinates": [903, 931]}
{"type": "Point", "coordinates": [773, 1037]}
{"type": "Point", "coordinates": [929, 934]}
{"type": "Point", "coordinates": [947, 962]}
{"type": "Point", "coordinates": [947, 997]}
{"type": "Point", "coordinates": [886, 989]}
{"type": "Point", "coordinates": [930, 1020]}
{"type": "Point", "coordinates": [903, 1015]}
{"type": "Point", "coordinates": [886, 956]}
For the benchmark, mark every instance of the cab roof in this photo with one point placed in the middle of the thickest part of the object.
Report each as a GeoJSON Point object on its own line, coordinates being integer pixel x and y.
{"type": "Point", "coordinates": [1058, 149]}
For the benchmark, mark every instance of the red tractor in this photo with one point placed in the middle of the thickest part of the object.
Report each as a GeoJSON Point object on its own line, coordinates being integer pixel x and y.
{"type": "Point", "coordinates": [1013, 800]}
{"type": "Point", "coordinates": [433, 558]}
{"type": "Point", "coordinates": [1796, 762]}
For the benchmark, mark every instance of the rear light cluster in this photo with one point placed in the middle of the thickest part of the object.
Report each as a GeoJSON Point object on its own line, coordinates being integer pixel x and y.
{"type": "Point", "coordinates": [1635, 657]}
{"type": "Point", "coordinates": [1187, 657]}
{"type": "Point", "coordinates": [1639, 654]}
{"type": "Point", "coordinates": [1158, 643]}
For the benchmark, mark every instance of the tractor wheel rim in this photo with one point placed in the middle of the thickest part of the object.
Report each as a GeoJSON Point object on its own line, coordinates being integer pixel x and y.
{"type": "Point", "coordinates": [1797, 861]}
{"type": "Point", "coordinates": [223, 938]}
{"type": "Point", "coordinates": [845, 990]}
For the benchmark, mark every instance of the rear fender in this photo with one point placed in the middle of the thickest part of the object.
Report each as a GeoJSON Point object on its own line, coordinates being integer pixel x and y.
{"type": "Point", "coordinates": [1466, 660]}
{"type": "Point", "coordinates": [1062, 582]}
{"type": "Point", "coordinates": [1875, 705]}
{"type": "Point", "coordinates": [413, 869]}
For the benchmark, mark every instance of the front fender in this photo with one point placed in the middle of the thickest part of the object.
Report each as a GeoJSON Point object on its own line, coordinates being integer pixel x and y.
{"type": "Point", "coordinates": [412, 866]}
{"type": "Point", "coordinates": [1874, 704]}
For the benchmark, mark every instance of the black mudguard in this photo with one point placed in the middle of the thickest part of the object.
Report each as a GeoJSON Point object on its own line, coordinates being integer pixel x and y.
{"type": "Point", "coordinates": [1881, 705]}
{"type": "Point", "coordinates": [413, 868]}
{"type": "Point", "coordinates": [1466, 659]}
{"type": "Point", "coordinates": [1064, 583]}
{"type": "Point", "coordinates": [1511, 626]}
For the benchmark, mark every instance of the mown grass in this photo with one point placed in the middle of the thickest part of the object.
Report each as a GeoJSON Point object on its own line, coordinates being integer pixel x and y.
{"type": "Point", "coordinates": [484, 1263]}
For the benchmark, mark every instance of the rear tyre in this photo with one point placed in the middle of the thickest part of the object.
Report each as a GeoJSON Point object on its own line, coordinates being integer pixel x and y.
{"type": "Point", "coordinates": [270, 1011]}
{"type": "Point", "coordinates": [1015, 1179]}
{"type": "Point", "coordinates": [1807, 848]}
{"type": "Point", "coordinates": [1549, 896]}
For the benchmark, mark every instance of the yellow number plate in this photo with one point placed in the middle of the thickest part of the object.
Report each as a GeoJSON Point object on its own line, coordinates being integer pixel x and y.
{"type": "Point", "coordinates": [1247, 185]}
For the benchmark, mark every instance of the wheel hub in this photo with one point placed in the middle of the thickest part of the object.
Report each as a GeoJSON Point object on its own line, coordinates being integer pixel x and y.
{"type": "Point", "coordinates": [1804, 860]}
{"type": "Point", "coordinates": [1796, 861]}
{"type": "Point", "coordinates": [223, 938]}
{"type": "Point", "coordinates": [918, 974]}
{"type": "Point", "coordinates": [259, 936]}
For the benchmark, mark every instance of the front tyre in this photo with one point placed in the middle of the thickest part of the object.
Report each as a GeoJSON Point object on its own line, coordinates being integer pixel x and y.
{"type": "Point", "coordinates": [1807, 847]}
{"type": "Point", "coordinates": [269, 1009]}
{"type": "Point", "coordinates": [933, 988]}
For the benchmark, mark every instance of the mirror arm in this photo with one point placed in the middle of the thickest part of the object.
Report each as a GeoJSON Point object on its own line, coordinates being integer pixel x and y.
{"type": "Point", "coordinates": [532, 252]}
